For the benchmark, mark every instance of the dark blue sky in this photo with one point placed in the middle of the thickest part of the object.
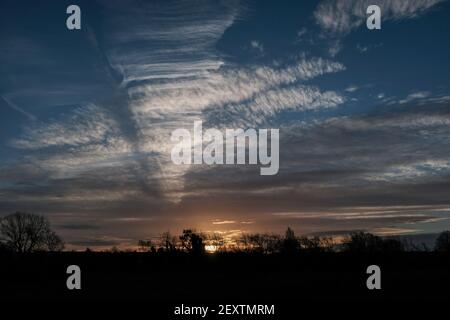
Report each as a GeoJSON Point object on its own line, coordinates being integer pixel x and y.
{"type": "Point", "coordinates": [86, 115]}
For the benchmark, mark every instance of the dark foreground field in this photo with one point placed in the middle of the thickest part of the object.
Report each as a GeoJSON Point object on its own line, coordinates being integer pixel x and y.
{"type": "Point", "coordinates": [166, 280]}
{"type": "Point", "coordinates": [164, 277]}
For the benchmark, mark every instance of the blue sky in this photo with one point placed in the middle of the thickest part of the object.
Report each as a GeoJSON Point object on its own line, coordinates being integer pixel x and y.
{"type": "Point", "coordinates": [86, 116]}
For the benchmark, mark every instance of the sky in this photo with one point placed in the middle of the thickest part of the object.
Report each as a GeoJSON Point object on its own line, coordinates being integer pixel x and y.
{"type": "Point", "coordinates": [86, 116]}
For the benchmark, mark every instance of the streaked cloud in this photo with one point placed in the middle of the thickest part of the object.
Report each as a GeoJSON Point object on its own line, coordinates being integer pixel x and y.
{"type": "Point", "coordinates": [223, 222]}
{"type": "Point", "coordinates": [15, 107]}
{"type": "Point", "coordinates": [179, 37]}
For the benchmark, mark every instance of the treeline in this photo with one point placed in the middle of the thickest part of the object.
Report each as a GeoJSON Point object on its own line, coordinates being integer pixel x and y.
{"type": "Point", "coordinates": [358, 242]}
{"type": "Point", "coordinates": [24, 232]}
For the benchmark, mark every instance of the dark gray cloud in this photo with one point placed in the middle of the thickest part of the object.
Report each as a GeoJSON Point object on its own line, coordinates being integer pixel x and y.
{"type": "Point", "coordinates": [95, 243]}
{"type": "Point", "coordinates": [74, 226]}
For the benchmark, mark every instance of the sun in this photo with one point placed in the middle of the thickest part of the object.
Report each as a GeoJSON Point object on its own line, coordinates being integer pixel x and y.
{"type": "Point", "coordinates": [210, 248]}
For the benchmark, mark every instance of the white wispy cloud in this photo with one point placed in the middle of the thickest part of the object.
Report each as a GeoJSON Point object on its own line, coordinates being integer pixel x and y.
{"type": "Point", "coordinates": [335, 48]}
{"type": "Point", "coordinates": [15, 107]}
{"type": "Point", "coordinates": [228, 86]}
{"type": "Point", "coordinates": [351, 88]}
{"type": "Point", "coordinates": [362, 48]}
{"type": "Point", "coordinates": [268, 105]}
{"type": "Point", "coordinates": [341, 17]}
{"type": "Point", "coordinates": [258, 46]}
{"type": "Point", "coordinates": [85, 125]}
{"type": "Point", "coordinates": [301, 32]}
{"type": "Point", "coordinates": [415, 96]}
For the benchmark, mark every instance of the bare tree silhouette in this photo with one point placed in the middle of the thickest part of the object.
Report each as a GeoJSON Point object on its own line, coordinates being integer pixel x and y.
{"type": "Point", "coordinates": [26, 232]}
{"type": "Point", "coordinates": [217, 241]}
{"type": "Point", "coordinates": [167, 241]}
{"type": "Point", "coordinates": [311, 244]}
{"type": "Point", "coordinates": [264, 242]}
{"type": "Point", "coordinates": [53, 242]}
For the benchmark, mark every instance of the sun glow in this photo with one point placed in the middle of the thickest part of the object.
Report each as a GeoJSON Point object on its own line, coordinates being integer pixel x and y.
{"type": "Point", "coordinates": [210, 248]}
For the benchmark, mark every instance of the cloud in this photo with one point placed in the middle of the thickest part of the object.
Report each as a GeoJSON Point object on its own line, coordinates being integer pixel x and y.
{"type": "Point", "coordinates": [13, 106]}
{"type": "Point", "coordinates": [352, 88]}
{"type": "Point", "coordinates": [415, 96]}
{"type": "Point", "coordinates": [398, 214]}
{"type": "Point", "coordinates": [179, 39]}
{"type": "Point", "coordinates": [235, 96]}
{"type": "Point", "coordinates": [341, 173]}
{"type": "Point", "coordinates": [265, 107]}
{"type": "Point", "coordinates": [224, 222]}
{"type": "Point", "coordinates": [341, 17]}
{"type": "Point", "coordinates": [171, 74]}
{"type": "Point", "coordinates": [78, 226]}
{"type": "Point", "coordinates": [366, 48]}
{"type": "Point", "coordinates": [335, 48]}
{"type": "Point", "coordinates": [301, 33]}
{"type": "Point", "coordinates": [114, 157]}
{"type": "Point", "coordinates": [362, 48]}
{"type": "Point", "coordinates": [154, 43]}
{"type": "Point", "coordinates": [225, 87]}
{"type": "Point", "coordinates": [102, 241]}
{"type": "Point", "coordinates": [380, 159]}
{"type": "Point", "coordinates": [258, 46]}
{"type": "Point", "coordinates": [85, 125]}
{"type": "Point", "coordinates": [412, 172]}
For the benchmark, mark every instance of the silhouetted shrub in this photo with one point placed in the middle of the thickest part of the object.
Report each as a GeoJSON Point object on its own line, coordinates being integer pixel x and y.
{"type": "Point", "coordinates": [362, 242]}
{"type": "Point", "coordinates": [145, 245]}
{"type": "Point", "coordinates": [442, 243]}
{"type": "Point", "coordinates": [290, 243]}
{"type": "Point", "coordinates": [4, 248]}
{"type": "Point", "coordinates": [392, 245]}
{"type": "Point", "coordinates": [192, 242]}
